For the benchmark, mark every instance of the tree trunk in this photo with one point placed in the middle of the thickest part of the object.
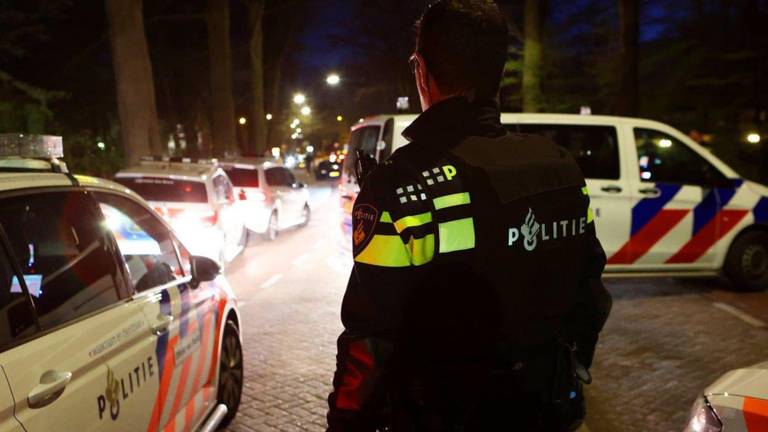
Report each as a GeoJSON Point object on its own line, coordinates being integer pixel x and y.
{"type": "Point", "coordinates": [532, 96]}
{"type": "Point", "coordinates": [629, 29]}
{"type": "Point", "coordinates": [136, 102]}
{"type": "Point", "coordinates": [259, 123]}
{"type": "Point", "coordinates": [220, 60]}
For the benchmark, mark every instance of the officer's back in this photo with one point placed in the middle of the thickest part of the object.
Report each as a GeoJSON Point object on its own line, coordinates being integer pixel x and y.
{"type": "Point", "coordinates": [476, 291]}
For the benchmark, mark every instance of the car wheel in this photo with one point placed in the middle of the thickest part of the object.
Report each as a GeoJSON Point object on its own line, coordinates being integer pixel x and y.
{"type": "Point", "coordinates": [747, 262]}
{"type": "Point", "coordinates": [272, 227]}
{"type": "Point", "coordinates": [230, 372]}
{"type": "Point", "coordinates": [306, 214]}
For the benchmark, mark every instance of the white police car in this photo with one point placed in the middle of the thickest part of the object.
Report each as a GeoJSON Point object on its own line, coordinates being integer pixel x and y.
{"type": "Point", "coordinates": [663, 205]}
{"type": "Point", "coordinates": [196, 198]}
{"type": "Point", "coordinates": [109, 322]}
{"type": "Point", "coordinates": [736, 402]}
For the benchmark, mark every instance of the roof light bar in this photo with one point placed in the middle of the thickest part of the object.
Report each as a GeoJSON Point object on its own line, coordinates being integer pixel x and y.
{"type": "Point", "coordinates": [31, 146]}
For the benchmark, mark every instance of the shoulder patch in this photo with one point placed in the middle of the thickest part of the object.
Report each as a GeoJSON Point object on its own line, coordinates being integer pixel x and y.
{"type": "Point", "coordinates": [364, 218]}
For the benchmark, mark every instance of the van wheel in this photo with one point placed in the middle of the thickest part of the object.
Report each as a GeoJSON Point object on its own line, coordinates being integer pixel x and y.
{"type": "Point", "coordinates": [747, 262]}
{"type": "Point", "coordinates": [230, 372]}
{"type": "Point", "coordinates": [306, 214]}
{"type": "Point", "coordinates": [272, 227]}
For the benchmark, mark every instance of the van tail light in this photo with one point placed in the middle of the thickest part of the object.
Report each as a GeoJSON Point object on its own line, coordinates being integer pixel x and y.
{"type": "Point", "coordinates": [242, 196]}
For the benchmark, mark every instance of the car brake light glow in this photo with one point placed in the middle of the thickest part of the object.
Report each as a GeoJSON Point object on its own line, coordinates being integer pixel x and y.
{"type": "Point", "coordinates": [252, 196]}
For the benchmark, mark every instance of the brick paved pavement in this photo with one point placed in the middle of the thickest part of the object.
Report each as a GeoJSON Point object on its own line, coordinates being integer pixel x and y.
{"type": "Point", "coordinates": [662, 345]}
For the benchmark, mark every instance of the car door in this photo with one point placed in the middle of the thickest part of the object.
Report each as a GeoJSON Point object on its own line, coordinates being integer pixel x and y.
{"type": "Point", "coordinates": [679, 196]}
{"type": "Point", "coordinates": [75, 367]}
{"type": "Point", "coordinates": [597, 151]}
{"type": "Point", "coordinates": [230, 220]}
{"type": "Point", "coordinates": [181, 317]}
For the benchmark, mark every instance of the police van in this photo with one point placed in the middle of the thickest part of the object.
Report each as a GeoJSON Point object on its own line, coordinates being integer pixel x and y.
{"type": "Point", "coordinates": [663, 205]}
{"type": "Point", "coordinates": [110, 323]}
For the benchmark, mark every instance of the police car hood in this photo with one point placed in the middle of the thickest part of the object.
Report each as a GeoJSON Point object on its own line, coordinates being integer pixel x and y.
{"type": "Point", "coordinates": [748, 382]}
{"type": "Point", "coordinates": [757, 188]}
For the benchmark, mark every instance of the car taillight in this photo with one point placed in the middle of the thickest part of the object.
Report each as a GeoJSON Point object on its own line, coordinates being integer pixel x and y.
{"type": "Point", "coordinates": [242, 196]}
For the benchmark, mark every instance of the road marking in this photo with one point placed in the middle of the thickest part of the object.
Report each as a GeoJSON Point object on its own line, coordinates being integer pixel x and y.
{"type": "Point", "coordinates": [300, 260]}
{"type": "Point", "coordinates": [271, 281]}
{"type": "Point", "coordinates": [749, 319]}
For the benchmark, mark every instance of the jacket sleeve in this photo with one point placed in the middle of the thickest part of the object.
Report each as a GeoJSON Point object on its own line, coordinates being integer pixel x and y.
{"type": "Point", "coordinates": [594, 301]}
{"type": "Point", "coordinates": [371, 311]}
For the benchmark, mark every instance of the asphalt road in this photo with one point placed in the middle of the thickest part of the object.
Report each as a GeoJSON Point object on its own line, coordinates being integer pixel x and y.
{"type": "Point", "coordinates": [665, 341]}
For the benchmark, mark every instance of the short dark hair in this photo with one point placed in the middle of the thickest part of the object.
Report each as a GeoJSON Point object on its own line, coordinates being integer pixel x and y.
{"type": "Point", "coordinates": [464, 45]}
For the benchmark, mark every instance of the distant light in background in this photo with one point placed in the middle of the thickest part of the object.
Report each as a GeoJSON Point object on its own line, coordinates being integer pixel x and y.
{"type": "Point", "coordinates": [665, 143]}
{"type": "Point", "coordinates": [101, 145]}
{"type": "Point", "coordinates": [242, 120]}
{"type": "Point", "coordinates": [333, 79]}
{"type": "Point", "coordinates": [298, 130]}
{"type": "Point", "coordinates": [339, 118]}
{"type": "Point", "coordinates": [305, 110]}
{"type": "Point", "coordinates": [293, 125]}
{"type": "Point", "coordinates": [754, 138]}
{"type": "Point", "coordinates": [275, 152]}
{"type": "Point", "coordinates": [299, 98]}
{"type": "Point", "coordinates": [361, 120]}
{"type": "Point", "coordinates": [310, 149]}
{"type": "Point", "coordinates": [297, 121]}
{"type": "Point", "coordinates": [269, 116]}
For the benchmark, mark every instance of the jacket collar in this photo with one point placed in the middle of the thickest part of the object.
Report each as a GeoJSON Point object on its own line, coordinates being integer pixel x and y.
{"type": "Point", "coordinates": [453, 119]}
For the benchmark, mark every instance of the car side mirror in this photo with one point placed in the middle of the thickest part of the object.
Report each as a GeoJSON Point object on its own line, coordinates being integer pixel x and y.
{"type": "Point", "coordinates": [204, 269]}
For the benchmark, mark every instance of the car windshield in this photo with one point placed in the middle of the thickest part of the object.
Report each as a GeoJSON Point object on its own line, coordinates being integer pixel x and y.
{"type": "Point", "coordinates": [243, 177]}
{"type": "Point", "coordinates": [166, 189]}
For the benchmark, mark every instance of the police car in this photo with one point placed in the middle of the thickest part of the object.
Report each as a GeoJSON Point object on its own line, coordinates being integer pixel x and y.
{"type": "Point", "coordinates": [736, 402]}
{"type": "Point", "coordinates": [663, 205]}
{"type": "Point", "coordinates": [110, 323]}
{"type": "Point", "coordinates": [197, 198]}
{"type": "Point", "coordinates": [268, 196]}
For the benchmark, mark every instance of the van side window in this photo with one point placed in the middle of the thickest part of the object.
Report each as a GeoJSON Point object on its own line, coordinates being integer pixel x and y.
{"type": "Point", "coordinates": [145, 243]}
{"type": "Point", "coordinates": [64, 253]}
{"type": "Point", "coordinates": [663, 158]}
{"type": "Point", "coordinates": [276, 177]}
{"type": "Point", "coordinates": [595, 148]}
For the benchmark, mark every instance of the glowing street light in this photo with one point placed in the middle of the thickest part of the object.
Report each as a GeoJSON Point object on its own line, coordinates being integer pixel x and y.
{"type": "Point", "coordinates": [306, 110]}
{"type": "Point", "coordinates": [242, 120]}
{"type": "Point", "coordinates": [299, 99]}
{"type": "Point", "coordinates": [753, 138]}
{"type": "Point", "coordinates": [339, 118]}
{"type": "Point", "coordinates": [269, 116]}
{"type": "Point", "coordinates": [333, 79]}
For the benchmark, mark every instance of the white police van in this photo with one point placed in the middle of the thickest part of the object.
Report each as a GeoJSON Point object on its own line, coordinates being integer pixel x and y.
{"type": "Point", "coordinates": [109, 322]}
{"type": "Point", "coordinates": [663, 205]}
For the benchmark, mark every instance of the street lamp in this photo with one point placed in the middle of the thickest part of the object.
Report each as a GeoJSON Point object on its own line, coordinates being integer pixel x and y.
{"type": "Point", "coordinates": [242, 120]}
{"type": "Point", "coordinates": [339, 118]}
{"type": "Point", "coordinates": [333, 79]}
{"type": "Point", "coordinates": [299, 98]}
{"type": "Point", "coordinates": [269, 116]}
{"type": "Point", "coordinates": [306, 110]}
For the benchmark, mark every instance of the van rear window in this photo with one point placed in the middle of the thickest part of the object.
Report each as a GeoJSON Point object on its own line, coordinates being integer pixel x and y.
{"type": "Point", "coordinates": [596, 148]}
{"type": "Point", "coordinates": [243, 177]}
{"type": "Point", "coordinates": [166, 189]}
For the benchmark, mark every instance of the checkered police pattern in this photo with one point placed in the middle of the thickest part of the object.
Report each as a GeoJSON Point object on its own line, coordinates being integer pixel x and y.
{"type": "Point", "coordinates": [435, 175]}
{"type": "Point", "coordinates": [410, 192]}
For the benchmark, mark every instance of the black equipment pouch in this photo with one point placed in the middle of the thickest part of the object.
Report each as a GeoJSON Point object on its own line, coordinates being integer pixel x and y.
{"type": "Point", "coordinates": [567, 389]}
{"type": "Point", "coordinates": [364, 165]}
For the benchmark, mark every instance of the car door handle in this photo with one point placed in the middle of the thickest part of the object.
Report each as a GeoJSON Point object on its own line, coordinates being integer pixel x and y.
{"type": "Point", "coordinates": [163, 322]}
{"type": "Point", "coordinates": [52, 385]}
{"type": "Point", "coordinates": [611, 189]}
{"type": "Point", "coordinates": [651, 192]}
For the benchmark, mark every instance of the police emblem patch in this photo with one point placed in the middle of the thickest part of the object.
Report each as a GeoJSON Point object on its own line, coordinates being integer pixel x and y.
{"type": "Point", "coordinates": [364, 218]}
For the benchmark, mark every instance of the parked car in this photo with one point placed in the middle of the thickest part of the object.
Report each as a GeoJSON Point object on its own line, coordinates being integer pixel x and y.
{"type": "Point", "coordinates": [110, 323]}
{"type": "Point", "coordinates": [268, 196]}
{"type": "Point", "coordinates": [663, 205]}
{"type": "Point", "coordinates": [196, 198]}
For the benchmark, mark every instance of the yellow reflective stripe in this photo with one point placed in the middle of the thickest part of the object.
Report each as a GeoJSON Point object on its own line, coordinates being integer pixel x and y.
{"type": "Point", "coordinates": [422, 249]}
{"type": "Point", "coordinates": [585, 190]}
{"type": "Point", "coordinates": [413, 221]}
{"type": "Point", "coordinates": [385, 251]}
{"type": "Point", "coordinates": [451, 200]}
{"type": "Point", "coordinates": [386, 218]}
{"type": "Point", "coordinates": [590, 217]}
{"type": "Point", "coordinates": [457, 235]}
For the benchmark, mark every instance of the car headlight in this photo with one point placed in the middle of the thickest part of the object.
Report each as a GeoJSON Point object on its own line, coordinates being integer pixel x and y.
{"type": "Point", "coordinates": [703, 418]}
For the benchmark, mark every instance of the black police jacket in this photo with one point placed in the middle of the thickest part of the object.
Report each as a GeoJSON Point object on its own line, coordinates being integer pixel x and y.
{"type": "Point", "coordinates": [466, 240]}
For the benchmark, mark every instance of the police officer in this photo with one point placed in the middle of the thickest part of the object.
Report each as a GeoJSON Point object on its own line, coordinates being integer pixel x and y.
{"type": "Point", "coordinates": [475, 300]}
